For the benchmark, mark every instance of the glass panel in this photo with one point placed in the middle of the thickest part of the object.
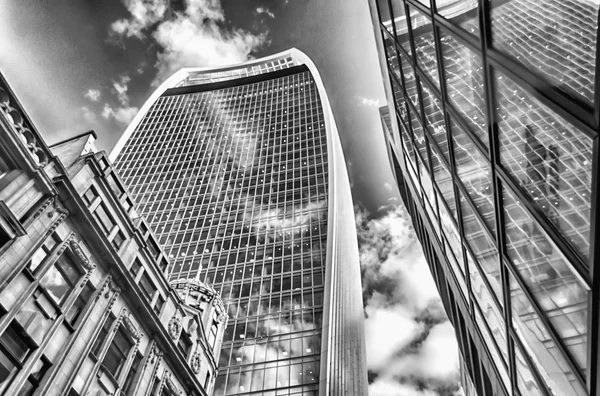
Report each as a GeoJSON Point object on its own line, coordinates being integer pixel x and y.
{"type": "Point", "coordinates": [419, 136]}
{"type": "Point", "coordinates": [491, 312]}
{"type": "Point", "coordinates": [392, 58]}
{"type": "Point", "coordinates": [443, 179]}
{"type": "Point", "coordinates": [384, 13]}
{"type": "Point", "coordinates": [552, 281]}
{"type": "Point", "coordinates": [463, 72]}
{"type": "Point", "coordinates": [424, 42]}
{"type": "Point", "coordinates": [555, 39]}
{"type": "Point", "coordinates": [542, 349]}
{"type": "Point", "coordinates": [409, 81]}
{"type": "Point", "coordinates": [56, 284]}
{"type": "Point", "coordinates": [483, 248]}
{"type": "Point", "coordinates": [460, 12]}
{"type": "Point", "coordinates": [550, 159]}
{"type": "Point", "coordinates": [526, 382]}
{"type": "Point", "coordinates": [492, 345]}
{"type": "Point", "coordinates": [475, 174]}
{"type": "Point", "coordinates": [434, 116]}
{"type": "Point", "coordinates": [400, 21]}
{"type": "Point", "coordinates": [406, 140]}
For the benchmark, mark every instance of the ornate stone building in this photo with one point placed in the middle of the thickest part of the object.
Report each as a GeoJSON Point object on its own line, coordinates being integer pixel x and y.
{"type": "Point", "coordinates": [85, 307]}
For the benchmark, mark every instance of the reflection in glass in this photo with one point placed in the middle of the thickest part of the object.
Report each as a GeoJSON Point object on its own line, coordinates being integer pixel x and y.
{"type": "Point", "coordinates": [475, 174]}
{"type": "Point", "coordinates": [434, 116]}
{"type": "Point", "coordinates": [460, 12]}
{"type": "Point", "coordinates": [464, 83]}
{"type": "Point", "coordinates": [443, 180]}
{"type": "Point", "coordinates": [553, 282]}
{"type": "Point", "coordinates": [419, 137]}
{"type": "Point", "coordinates": [492, 347]}
{"type": "Point", "coordinates": [555, 39]}
{"type": "Point", "coordinates": [422, 31]}
{"type": "Point", "coordinates": [409, 81]}
{"type": "Point", "coordinates": [550, 158]}
{"type": "Point", "coordinates": [542, 349]}
{"type": "Point", "coordinates": [526, 382]}
{"type": "Point", "coordinates": [401, 26]}
{"type": "Point", "coordinates": [482, 246]}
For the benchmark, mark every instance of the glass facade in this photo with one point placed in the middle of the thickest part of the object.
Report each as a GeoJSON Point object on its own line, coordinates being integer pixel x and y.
{"type": "Point", "coordinates": [231, 169]}
{"type": "Point", "coordinates": [496, 110]}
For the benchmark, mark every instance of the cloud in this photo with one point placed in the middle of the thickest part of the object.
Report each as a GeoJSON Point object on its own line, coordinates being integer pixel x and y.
{"type": "Point", "coordinates": [411, 346]}
{"type": "Point", "coordinates": [88, 115]}
{"type": "Point", "coordinates": [144, 13]}
{"type": "Point", "coordinates": [123, 114]}
{"type": "Point", "coordinates": [369, 102]}
{"type": "Point", "coordinates": [120, 89]}
{"type": "Point", "coordinates": [92, 94]}
{"type": "Point", "coordinates": [266, 11]}
{"type": "Point", "coordinates": [194, 37]}
{"type": "Point", "coordinates": [387, 186]}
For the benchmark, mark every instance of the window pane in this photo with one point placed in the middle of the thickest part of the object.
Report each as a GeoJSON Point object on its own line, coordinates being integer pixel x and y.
{"type": "Point", "coordinates": [401, 26]}
{"type": "Point", "coordinates": [54, 282]}
{"type": "Point", "coordinates": [483, 247]}
{"type": "Point", "coordinates": [460, 12]}
{"type": "Point", "coordinates": [550, 159]}
{"type": "Point", "coordinates": [444, 181]}
{"type": "Point", "coordinates": [540, 346]}
{"type": "Point", "coordinates": [526, 382]}
{"type": "Point", "coordinates": [422, 31]}
{"type": "Point", "coordinates": [475, 174]}
{"type": "Point", "coordinates": [409, 81]}
{"type": "Point", "coordinates": [555, 39]}
{"type": "Point", "coordinates": [551, 279]}
{"type": "Point", "coordinates": [464, 83]}
{"type": "Point", "coordinates": [435, 119]}
{"type": "Point", "coordinates": [104, 218]}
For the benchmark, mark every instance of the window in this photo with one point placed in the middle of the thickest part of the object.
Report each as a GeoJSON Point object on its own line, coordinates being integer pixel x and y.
{"type": "Point", "coordinates": [42, 252]}
{"type": "Point", "coordinates": [153, 247]}
{"type": "Point", "coordinates": [135, 267]}
{"type": "Point", "coordinates": [184, 343]}
{"type": "Point", "coordinates": [114, 185]}
{"type": "Point", "coordinates": [129, 385]}
{"type": "Point", "coordinates": [80, 303]}
{"type": "Point", "coordinates": [103, 218]}
{"type": "Point", "coordinates": [147, 286]}
{"type": "Point", "coordinates": [61, 278]}
{"type": "Point", "coordinates": [13, 352]}
{"type": "Point", "coordinates": [102, 336]}
{"type": "Point", "coordinates": [116, 356]}
{"type": "Point", "coordinates": [90, 195]}
{"type": "Point", "coordinates": [160, 302]}
{"type": "Point", "coordinates": [35, 377]}
{"type": "Point", "coordinates": [118, 240]}
{"type": "Point", "coordinates": [213, 334]}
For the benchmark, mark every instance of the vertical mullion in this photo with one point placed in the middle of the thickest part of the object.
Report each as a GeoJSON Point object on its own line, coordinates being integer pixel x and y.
{"type": "Point", "coordinates": [593, 358]}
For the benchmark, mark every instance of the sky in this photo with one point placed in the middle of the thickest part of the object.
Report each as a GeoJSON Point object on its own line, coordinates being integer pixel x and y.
{"type": "Point", "coordinates": [82, 65]}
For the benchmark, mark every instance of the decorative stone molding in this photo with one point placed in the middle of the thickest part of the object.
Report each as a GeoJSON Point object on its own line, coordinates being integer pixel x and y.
{"type": "Point", "coordinates": [131, 327]}
{"type": "Point", "coordinates": [9, 108]}
{"type": "Point", "coordinates": [171, 387]}
{"type": "Point", "coordinates": [42, 208]}
{"type": "Point", "coordinates": [78, 252]}
{"type": "Point", "coordinates": [56, 208]}
{"type": "Point", "coordinates": [195, 363]}
{"type": "Point", "coordinates": [174, 327]}
{"type": "Point", "coordinates": [155, 353]}
{"type": "Point", "coordinates": [112, 287]}
{"type": "Point", "coordinates": [104, 286]}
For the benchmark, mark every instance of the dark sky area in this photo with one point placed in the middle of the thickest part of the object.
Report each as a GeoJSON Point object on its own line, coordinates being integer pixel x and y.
{"type": "Point", "coordinates": [81, 65]}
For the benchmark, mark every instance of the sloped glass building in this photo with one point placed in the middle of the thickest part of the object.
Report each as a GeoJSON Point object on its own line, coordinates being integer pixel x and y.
{"type": "Point", "coordinates": [493, 137]}
{"type": "Point", "coordinates": [240, 173]}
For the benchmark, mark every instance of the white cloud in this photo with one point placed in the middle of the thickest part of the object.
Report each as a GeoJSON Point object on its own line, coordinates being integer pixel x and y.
{"type": "Point", "coordinates": [193, 37]}
{"type": "Point", "coordinates": [92, 94]}
{"type": "Point", "coordinates": [369, 102]}
{"type": "Point", "coordinates": [387, 186]}
{"type": "Point", "coordinates": [120, 89]}
{"type": "Point", "coordinates": [264, 10]}
{"type": "Point", "coordinates": [411, 346]}
{"type": "Point", "coordinates": [88, 115]}
{"type": "Point", "coordinates": [144, 13]}
{"type": "Point", "coordinates": [122, 114]}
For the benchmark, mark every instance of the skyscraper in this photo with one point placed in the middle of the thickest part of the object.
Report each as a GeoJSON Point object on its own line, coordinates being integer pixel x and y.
{"type": "Point", "coordinates": [494, 142]}
{"type": "Point", "coordinates": [240, 172]}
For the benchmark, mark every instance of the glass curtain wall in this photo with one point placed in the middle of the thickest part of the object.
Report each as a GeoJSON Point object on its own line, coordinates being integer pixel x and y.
{"type": "Point", "coordinates": [498, 121]}
{"type": "Point", "coordinates": [234, 183]}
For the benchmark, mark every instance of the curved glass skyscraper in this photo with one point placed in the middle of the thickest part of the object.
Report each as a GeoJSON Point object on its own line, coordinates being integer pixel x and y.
{"type": "Point", "coordinates": [240, 172]}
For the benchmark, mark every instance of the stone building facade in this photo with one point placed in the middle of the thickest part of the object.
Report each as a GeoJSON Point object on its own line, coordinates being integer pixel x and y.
{"type": "Point", "coordinates": [85, 307]}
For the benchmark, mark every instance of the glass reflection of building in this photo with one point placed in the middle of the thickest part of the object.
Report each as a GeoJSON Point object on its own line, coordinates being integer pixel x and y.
{"type": "Point", "coordinates": [494, 143]}
{"type": "Point", "coordinates": [240, 172]}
